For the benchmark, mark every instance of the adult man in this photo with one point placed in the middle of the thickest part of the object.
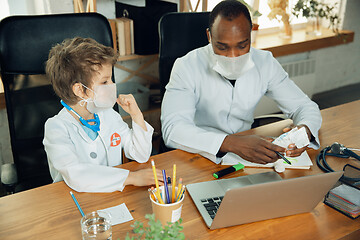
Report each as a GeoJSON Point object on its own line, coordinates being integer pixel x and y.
{"type": "Point", "coordinates": [213, 92]}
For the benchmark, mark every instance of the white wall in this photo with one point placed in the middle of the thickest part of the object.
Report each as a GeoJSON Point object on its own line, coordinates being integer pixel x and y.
{"type": "Point", "coordinates": [28, 7]}
{"type": "Point", "coordinates": [18, 7]}
{"type": "Point", "coordinates": [337, 66]}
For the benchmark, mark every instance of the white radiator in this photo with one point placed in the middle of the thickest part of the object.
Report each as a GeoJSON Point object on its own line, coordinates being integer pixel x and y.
{"type": "Point", "coordinates": [302, 73]}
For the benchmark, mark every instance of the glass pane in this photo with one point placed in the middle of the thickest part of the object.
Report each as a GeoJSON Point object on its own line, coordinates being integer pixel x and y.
{"type": "Point", "coordinates": [265, 22]}
{"type": "Point", "coordinates": [4, 9]}
{"type": "Point", "coordinates": [212, 3]}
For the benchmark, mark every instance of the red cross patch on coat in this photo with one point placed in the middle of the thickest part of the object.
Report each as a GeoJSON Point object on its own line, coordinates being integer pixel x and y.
{"type": "Point", "coordinates": [115, 140]}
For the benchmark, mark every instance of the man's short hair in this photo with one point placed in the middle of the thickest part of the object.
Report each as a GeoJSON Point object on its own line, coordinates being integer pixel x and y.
{"type": "Point", "coordinates": [229, 9]}
{"type": "Point", "coordinates": [76, 61]}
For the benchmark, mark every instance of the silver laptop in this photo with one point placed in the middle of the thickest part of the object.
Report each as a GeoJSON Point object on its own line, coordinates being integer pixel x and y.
{"type": "Point", "coordinates": [251, 198]}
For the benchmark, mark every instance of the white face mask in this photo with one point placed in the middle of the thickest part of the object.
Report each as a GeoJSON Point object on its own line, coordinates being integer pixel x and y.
{"type": "Point", "coordinates": [231, 67]}
{"type": "Point", "coordinates": [104, 98]}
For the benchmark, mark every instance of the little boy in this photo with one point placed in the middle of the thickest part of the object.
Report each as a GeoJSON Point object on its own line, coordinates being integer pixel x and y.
{"type": "Point", "coordinates": [85, 139]}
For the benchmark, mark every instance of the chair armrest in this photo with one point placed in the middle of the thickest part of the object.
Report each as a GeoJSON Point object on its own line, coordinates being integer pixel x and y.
{"type": "Point", "coordinates": [9, 177]}
{"type": "Point", "coordinates": [266, 119]}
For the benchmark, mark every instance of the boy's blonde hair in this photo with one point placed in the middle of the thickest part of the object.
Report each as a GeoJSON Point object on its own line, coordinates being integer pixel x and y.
{"type": "Point", "coordinates": [75, 61]}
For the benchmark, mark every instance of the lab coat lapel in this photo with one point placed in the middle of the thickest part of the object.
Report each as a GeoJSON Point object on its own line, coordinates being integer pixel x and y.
{"type": "Point", "coordinates": [68, 117]}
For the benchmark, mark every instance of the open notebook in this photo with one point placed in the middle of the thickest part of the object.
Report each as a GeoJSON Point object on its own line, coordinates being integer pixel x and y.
{"type": "Point", "coordinates": [301, 162]}
{"type": "Point", "coordinates": [297, 136]}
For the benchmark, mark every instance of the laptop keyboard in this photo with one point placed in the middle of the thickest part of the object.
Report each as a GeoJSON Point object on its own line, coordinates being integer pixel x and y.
{"type": "Point", "coordinates": [212, 205]}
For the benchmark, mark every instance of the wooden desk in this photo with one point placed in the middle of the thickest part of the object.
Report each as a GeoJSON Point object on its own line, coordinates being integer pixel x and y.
{"type": "Point", "coordinates": [49, 212]}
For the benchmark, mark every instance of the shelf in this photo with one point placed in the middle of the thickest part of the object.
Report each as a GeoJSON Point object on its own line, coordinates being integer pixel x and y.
{"type": "Point", "coordinates": [134, 56]}
{"type": "Point", "coordinates": [301, 42]}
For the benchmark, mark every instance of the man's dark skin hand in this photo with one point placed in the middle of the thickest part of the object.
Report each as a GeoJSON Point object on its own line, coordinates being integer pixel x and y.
{"type": "Point", "coordinates": [253, 148]}
{"type": "Point", "coordinates": [292, 150]}
{"type": "Point", "coordinates": [259, 149]}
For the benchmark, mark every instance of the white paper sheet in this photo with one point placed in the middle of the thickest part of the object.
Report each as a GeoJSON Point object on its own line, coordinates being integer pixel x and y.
{"type": "Point", "coordinates": [119, 214]}
{"type": "Point", "coordinates": [301, 162]}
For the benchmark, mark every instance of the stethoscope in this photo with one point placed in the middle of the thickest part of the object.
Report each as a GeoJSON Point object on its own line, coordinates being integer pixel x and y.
{"type": "Point", "coordinates": [336, 150]}
{"type": "Point", "coordinates": [95, 127]}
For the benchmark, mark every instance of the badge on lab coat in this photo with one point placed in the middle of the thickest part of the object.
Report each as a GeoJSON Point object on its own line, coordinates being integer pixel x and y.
{"type": "Point", "coordinates": [115, 140]}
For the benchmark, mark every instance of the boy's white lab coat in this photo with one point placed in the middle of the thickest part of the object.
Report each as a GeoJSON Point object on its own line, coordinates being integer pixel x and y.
{"type": "Point", "coordinates": [200, 107]}
{"type": "Point", "coordinates": [86, 165]}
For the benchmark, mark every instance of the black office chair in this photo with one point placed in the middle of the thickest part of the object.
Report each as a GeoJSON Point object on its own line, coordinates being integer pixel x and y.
{"type": "Point", "coordinates": [179, 33]}
{"type": "Point", "coordinates": [25, 42]}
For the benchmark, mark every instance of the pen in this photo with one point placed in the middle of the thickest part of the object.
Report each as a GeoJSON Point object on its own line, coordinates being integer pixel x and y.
{"type": "Point", "coordinates": [77, 204]}
{"type": "Point", "coordinates": [168, 180]}
{"type": "Point", "coordinates": [285, 159]}
{"type": "Point", "coordinates": [228, 170]}
{"type": "Point", "coordinates": [156, 182]}
{"type": "Point", "coordinates": [163, 195]}
{"type": "Point", "coordinates": [173, 184]}
{"type": "Point", "coordinates": [166, 187]}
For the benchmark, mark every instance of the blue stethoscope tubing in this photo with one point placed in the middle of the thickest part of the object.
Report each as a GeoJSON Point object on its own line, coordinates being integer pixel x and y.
{"type": "Point", "coordinates": [96, 121]}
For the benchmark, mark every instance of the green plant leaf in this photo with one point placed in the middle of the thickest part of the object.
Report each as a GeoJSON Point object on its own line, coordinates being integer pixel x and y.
{"type": "Point", "coordinates": [316, 8]}
{"type": "Point", "coordinates": [156, 230]}
{"type": "Point", "coordinates": [254, 13]}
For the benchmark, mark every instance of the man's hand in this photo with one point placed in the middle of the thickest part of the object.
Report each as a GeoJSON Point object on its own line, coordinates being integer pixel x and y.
{"type": "Point", "coordinates": [292, 150]}
{"type": "Point", "coordinates": [252, 148]}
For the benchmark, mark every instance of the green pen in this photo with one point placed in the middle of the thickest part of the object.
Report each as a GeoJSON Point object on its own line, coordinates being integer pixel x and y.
{"type": "Point", "coordinates": [228, 170]}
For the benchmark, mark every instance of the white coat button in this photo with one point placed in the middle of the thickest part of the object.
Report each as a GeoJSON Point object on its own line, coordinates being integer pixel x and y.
{"type": "Point", "coordinates": [93, 155]}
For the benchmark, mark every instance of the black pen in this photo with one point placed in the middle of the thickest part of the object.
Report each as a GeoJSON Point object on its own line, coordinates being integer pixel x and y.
{"type": "Point", "coordinates": [285, 159]}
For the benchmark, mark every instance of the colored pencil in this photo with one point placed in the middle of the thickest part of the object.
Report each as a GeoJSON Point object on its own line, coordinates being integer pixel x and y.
{"type": "Point", "coordinates": [77, 204]}
{"type": "Point", "coordinates": [156, 182]}
{"type": "Point", "coordinates": [173, 184]}
{"type": "Point", "coordinates": [179, 189]}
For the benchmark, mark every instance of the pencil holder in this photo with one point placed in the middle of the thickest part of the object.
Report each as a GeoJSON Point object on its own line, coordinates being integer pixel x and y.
{"type": "Point", "coordinates": [170, 212]}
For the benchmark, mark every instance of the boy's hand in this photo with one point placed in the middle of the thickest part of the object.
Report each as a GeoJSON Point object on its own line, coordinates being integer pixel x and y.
{"type": "Point", "coordinates": [144, 177]}
{"type": "Point", "coordinates": [128, 103]}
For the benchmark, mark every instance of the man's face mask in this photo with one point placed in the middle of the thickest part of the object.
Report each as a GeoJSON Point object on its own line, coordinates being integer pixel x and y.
{"type": "Point", "coordinates": [231, 67]}
{"type": "Point", "coordinates": [104, 98]}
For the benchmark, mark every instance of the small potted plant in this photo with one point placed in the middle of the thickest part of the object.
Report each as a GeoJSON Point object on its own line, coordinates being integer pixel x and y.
{"type": "Point", "coordinates": [314, 11]}
{"type": "Point", "coordinates": [156, 230]}
{"type": "Point", "coordinates": [254, 15]}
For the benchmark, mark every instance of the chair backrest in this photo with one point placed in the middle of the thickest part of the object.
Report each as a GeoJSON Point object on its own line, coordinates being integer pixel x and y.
{"type": "Point", "coordinates": [179, 34]}
{"type": "Point", "coordinates": [25, 42]}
